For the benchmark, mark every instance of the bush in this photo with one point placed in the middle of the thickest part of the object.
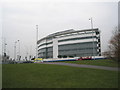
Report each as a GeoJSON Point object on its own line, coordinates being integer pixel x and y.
{"type": "Point", "coordinates": [64, 56]}
{"type": "Point", "coordinates": [59, 56]}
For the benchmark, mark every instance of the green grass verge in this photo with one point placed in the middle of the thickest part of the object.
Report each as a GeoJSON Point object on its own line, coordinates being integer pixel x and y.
{"type": "Point", "coordinates": [56, 76]}
{"type": "Point", "coordinates": [0, 76]}
{"type": "Point", "coordinates": [103, 62]}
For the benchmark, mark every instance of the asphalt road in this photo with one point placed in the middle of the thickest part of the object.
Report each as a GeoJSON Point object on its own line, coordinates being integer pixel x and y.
{"type": "Point", "coordinates": [83, 65]}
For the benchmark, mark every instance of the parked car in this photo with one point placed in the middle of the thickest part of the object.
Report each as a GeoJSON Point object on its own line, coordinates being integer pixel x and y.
{"type": "Point", "coordinates": [84, 58]}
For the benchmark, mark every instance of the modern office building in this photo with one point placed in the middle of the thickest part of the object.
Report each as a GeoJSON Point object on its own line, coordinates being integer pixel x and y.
{"type": "Point", "coordinates": [70, 43]}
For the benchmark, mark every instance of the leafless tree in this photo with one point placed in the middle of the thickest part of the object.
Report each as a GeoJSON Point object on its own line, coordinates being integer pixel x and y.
{"type": "Point", "coordinates": [114, 45]}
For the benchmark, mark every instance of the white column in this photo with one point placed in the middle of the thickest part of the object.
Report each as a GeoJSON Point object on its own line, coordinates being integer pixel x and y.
{"type": "Point", "coordinates": [55, 48]}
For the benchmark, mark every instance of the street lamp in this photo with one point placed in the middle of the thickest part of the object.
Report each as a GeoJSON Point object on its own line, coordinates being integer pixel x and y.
{"type": "Point", "coordinates": [92, 36]}
{"type": "Point", "coordinates": [15, 50]}
{"type": "Point", "coordinates": [19, 50]}
{"type": "Point", "coordinates": [15, 46]}
{"type": "Point", "coordinates": [5, 44]}
{"type": "Point", "coordinates": [36, 41]}
{"type": "Point", "coordinates": [5, 48]}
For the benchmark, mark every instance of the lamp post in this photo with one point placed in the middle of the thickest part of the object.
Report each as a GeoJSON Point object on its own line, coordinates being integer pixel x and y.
{"type": "Point", "coordinates": [15, 46]}
{"type": "Point", "coordinates": [36, 41]}
{"type": "Point", "coordinates": [5, 55]}
{"type": "Point", "coordinates": [30, 56]}
{"type": "Point", "coordinates": [15, 50]}
{"type": "Point", "coordinates": [5, 44]}
{"type": "Point", "coordinates": [19, 50]}
{"type": "Point", "coordinates": [92, 36]}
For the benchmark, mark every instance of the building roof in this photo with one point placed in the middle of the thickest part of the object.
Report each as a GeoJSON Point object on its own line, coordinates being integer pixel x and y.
{"type": "Point", "coordinates": [61, 32]}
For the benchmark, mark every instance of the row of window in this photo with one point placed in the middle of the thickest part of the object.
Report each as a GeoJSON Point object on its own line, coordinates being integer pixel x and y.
{"type": "Point", "coordinates": [77, 45]}
{"type": "Point", "coordinates": [68, 49]}
{"type": "Point", "coordinates": [45, 44]}
{"type": "Point", "coordinates": [73, 45]}
{"type": "Point", "coordinates": [68, 55]}
{"type": "Point", "coordinates": [76, 52]}
{"type": "Point", "coordinates": [77, 38]}
{"type": "Point", "coordinates": [79, 49]}
{"type": "Point", "coordinates": [44, 49]}
{"type": "Point", "coordinates": [72, 51]}
{"type": "Point", "coordinates": [70, 40]}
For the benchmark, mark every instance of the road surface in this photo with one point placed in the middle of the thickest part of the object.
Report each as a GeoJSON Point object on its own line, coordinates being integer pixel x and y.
{"type": "Point", "coordinates": [84, 66]}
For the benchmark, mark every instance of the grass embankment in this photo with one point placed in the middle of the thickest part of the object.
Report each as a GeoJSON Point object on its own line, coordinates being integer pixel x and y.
{"type": "Point", "coordinates": [56, 76]}
{"type": "Point", "coordinates": [102, 62]}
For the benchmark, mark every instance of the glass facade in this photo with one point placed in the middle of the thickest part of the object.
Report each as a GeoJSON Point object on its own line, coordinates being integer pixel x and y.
{"type": "Point", "coordinates": [46, 52]}
{"type": "Point", "coordinates": [78, 49]}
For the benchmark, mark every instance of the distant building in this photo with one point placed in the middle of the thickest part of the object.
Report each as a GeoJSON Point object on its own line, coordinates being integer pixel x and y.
{"type": "Point", "coordinates": [70, 43]}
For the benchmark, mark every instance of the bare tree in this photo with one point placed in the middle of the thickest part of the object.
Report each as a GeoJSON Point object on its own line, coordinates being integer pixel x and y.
{"type": "Point", "coordinates": [107, 54]}
{"type": "Point", "coordinates": [115, 45]}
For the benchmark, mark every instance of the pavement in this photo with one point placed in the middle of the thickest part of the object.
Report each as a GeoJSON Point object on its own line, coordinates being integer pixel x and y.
{"type": "Point", "coordinates": [84, 66]}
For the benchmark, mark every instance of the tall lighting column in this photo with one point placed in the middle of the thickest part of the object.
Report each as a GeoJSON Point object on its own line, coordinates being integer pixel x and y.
{"type": "Point", "coordinates": [36, 41]}
{"type": "Point", "coordinates": [5, 48]}
{"type": "Point", "coordinates": [92, 36]}
{"type": "Point", "coordinates": [19, 50]}
{"type": "Point", "coordinates": [5, 44]}
{"type": "Point", "coordinates": [15, 50]}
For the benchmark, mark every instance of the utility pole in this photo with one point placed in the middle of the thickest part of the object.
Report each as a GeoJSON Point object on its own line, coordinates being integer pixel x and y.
{"type": "Point", "coordinates": [5, 55]}
{"type": "Point", "coordinates": [5, 44]}
{"type": "Point", "coordinates": [15, 50]}
{"type": "Point", "coordinates": [19, 50]}
{"type": "Point", "coordinates": [30, 56]}
{"type": "Point", "coordinates": [92, 36]}
{"type": "Point", "coordinates": [36, 41]}
{"type": "Point", "coordinates": [2, 49]}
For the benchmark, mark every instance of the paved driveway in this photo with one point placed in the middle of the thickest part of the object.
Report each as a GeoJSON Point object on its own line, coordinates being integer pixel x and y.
{"type": "Point", "coordinates": [83, 65]}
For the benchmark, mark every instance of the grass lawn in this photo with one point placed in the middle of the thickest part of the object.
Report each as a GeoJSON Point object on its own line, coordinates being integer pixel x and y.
{"type": "Point", "coordinates": [102, 62]}
{"type": "Point", "coordinates": [0, 75]}
{"type": "Point", "coordinates": [56, 76]}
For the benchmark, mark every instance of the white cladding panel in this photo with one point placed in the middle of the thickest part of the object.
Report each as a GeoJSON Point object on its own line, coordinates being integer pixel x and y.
{"type": "Point", "coordinates": [49, 41]}
{"type": "Point", "coordinates": [76, 41]}
{"type": "Point", "coordinates": [44, 41]}
{"type": "Point", "coordinates": [55, 48]}
{"type": "Point", "coordinates": [45, 46]}
{"type": "Point", "coordinates": [75, 36]}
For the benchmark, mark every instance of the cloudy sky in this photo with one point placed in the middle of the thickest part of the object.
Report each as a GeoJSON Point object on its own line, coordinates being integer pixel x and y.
{"type": "Point", "coordinates": [19, 20]}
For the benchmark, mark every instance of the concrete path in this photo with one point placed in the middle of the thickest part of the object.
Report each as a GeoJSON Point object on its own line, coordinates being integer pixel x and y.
{"type": "Point", "coordinates": [83, 65]}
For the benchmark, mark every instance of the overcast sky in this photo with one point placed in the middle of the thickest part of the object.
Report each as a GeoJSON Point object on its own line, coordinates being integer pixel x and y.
{"type": "Point", "coordinates": [19, 20]}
